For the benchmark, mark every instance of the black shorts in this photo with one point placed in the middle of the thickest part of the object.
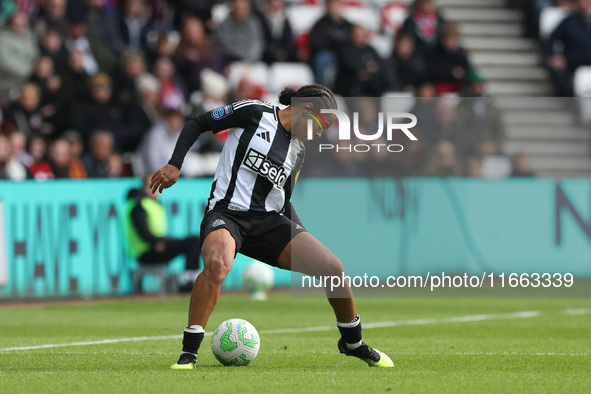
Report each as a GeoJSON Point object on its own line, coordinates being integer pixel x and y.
{"type": "Point", "coordinates": [260, 235]}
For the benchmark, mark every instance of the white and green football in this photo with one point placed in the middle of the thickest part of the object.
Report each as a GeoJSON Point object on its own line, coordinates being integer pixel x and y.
{"type": "Point", "coordinates": [235, 342]}
{"type": "Point", "coordinates": [258, 279]}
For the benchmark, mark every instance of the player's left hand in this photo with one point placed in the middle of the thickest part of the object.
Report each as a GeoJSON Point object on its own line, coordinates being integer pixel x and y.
{"type": "Point", "coordinates": [164, 178]}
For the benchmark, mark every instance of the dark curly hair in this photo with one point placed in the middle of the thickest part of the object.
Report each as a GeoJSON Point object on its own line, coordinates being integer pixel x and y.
{"type": "Point", "coordinates": [320, 96]}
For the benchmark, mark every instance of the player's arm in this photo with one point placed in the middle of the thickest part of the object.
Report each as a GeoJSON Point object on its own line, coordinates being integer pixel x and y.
{"type": "Point", "coordinates": [216, 121]}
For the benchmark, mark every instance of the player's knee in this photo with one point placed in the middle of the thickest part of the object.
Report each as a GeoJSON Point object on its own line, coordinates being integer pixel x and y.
{"type": "Point", "coordinates": [217, 268]}
{"type": "Point", "coordinates": [332, 266]}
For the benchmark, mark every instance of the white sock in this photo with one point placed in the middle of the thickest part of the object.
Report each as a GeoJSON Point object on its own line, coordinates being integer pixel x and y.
{"type": "Point", "coordinates": [194, 354]}
{"type": "Point", "coordinates": [194, 329]}
{"type": "Point", "coordinates": [353, 323]}
{"type": "Point", "coordinates": [352, 346]}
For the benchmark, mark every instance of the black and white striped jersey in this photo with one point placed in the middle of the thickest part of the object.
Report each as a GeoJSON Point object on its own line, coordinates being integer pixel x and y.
{"type": "Point", "coordinates": [259, 159]}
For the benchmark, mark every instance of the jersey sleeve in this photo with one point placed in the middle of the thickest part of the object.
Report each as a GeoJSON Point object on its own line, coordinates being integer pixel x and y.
{"type": "Point", "coordinates": [232, 115]}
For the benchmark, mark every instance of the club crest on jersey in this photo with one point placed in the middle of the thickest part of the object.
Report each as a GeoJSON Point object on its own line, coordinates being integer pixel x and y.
{"type": "Point", "coordinates": [259, 163]}
{"type": "Point", "coordinates": [222, 112]}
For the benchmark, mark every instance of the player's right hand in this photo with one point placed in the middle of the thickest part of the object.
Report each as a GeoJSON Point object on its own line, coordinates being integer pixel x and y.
{"type": "Point", "coordinates": [164, 178]}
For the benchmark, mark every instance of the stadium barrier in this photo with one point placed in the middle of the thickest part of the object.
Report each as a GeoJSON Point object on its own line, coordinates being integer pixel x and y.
{"type": "Point", "coordinates": [67, 239]}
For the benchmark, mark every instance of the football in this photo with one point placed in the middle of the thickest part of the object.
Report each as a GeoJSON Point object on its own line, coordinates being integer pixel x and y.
{"type": "Point", "coordinates": [235, 342]}
{"type": "Point", "coordinates": [258, 279]}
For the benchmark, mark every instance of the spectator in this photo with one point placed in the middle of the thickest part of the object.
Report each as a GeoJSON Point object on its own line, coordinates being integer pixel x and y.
{"type": "Point", "coordinates": [25, 114]}
{"type": "Point", "coordinates": [18, 142]}
{"type": "Point", "coordinates": [408, 68]}
{"type": "Point", "coordinates": [135, 25]}
{"type": "Point", "coordinates": [76, 168]}
{"type": "Point", "coordinates": [533, 11]}
{"type": "Point", "coordinates": [173, 91]}
{"type": "Point", "coordinates": [360, 71]}
{"type": "Point", "coordinates": [448, 63]}
{"type": "Point", "coordinates": [574, 35]}
{"type": "Point", "coordinates": [241, 34]}
{"type": "Point", "coordinates": [215, 90]}
{"type": "Point", "coordinates": [414, 157]}
{"type": "Point", "coordinates": [247, 89]}
{"type": "Point", "coordinates": [40, 168]}
{"type": "Point", "coordinates": [522, 166]}
{"type": "Point", "coordinates": [74, 79]}
{"type": "Point", "coordinates": [52, 16]}
{"type": "Point", "coordinates": [59, 158]}
{"type": "Point", "coordinates": [96, 160]}
{"type": "Point", "coordinates": [480, 117]}
{"type": "Point", "coordinates": [444, 161]}
{"type": "Point", "coordinates": [425, 104]}
{"type": "Point", "coordinates": [18, 53]}
{"type": "Point", "coordinates": [105, 23]}
{"type": "Point", "coordinates": [378, 163]}
{"type": "Point", "coordinates": [163, 46]}
{"type": "Point", "coordinates": [49, 83]}
{"type": "Point", "coordinates": [195, 53]}
{"type": "Point", "coordinates": [10, 167]}
{"type": "Point", "coordinates": [133, 66]}
{"type": "Point", "coordinates": [52, 46]}
{"type": "Point", "coordinates": [98, 111]}
{"type": "Point", "coordinates": [215, 95]}
{"type": "Point", "coordinates": [147, 234]}
{"type": "Point", "coordinates": [446, 128]}
{"type": "Point", "coordinates": [116, 166]}
{"type": "Point", "coordinates": [95, 54]}
{"type": "Point", "coordinates": [424, 24]}
{"type": "Point", "coordinates": [160, 141]}
{"type": "Point", "coordinates": [149, 89]}
{"type": "Point", "coordinates": [474, 167]}
{"type": "Point", "coordinates": [200, 9]}
{"type": "Point", "coordinates": [280, 44]}
{"type": "Point", "coordinates": [141, 117]}
{"type": "Point", "coordinates": [329, 34]}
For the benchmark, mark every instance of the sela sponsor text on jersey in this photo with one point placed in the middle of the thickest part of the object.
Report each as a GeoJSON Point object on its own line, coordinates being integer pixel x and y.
{"type": "Point", "coordinates": [259, 163]}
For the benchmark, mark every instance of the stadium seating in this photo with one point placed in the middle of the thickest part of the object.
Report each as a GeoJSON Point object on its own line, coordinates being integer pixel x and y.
{"type": "Point", "coordinates": [397, 102]}
{"type": "Point", "coordinates": [284, 74]}
{"type": "Point", "coordinates": [393, 15]}
{"type": "Point", "coordinates": [363, 16]}
{"type": "Point", "coordinates": [257, 73]}
{"type": "Point", "coordinates": [303, 17]}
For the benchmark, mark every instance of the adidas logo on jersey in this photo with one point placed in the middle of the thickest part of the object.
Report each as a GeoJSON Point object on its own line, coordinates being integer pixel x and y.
{"type": "Point", "coordinates": [259, 163]}
{"type": "Point", "coordinates": [217, 223]}
{"type": "Point", "coordinates": [265, 135]}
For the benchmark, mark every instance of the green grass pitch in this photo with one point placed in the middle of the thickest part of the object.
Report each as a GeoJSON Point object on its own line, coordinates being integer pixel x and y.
{"type": "Point", "coordinates": [437, 345]}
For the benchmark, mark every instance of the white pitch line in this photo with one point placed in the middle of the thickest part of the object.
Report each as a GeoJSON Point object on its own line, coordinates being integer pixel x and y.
{"type": "Point", "coordinates": [415, 322]}
{"type": "Point", "coordinates": [102, 342]}
{"type": "Point", "coordinates": [581, 311]}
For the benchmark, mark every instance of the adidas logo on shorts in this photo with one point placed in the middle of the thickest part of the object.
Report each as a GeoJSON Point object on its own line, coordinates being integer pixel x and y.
{"type": "Point", "coordinates": [217, 222]}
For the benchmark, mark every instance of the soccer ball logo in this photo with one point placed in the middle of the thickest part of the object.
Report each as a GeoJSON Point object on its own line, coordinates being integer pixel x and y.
{"type": "Point", "coordinates": [235, 342]}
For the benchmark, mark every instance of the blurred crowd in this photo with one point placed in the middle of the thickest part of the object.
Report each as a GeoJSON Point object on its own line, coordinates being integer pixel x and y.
{"type": "Point", "coordinates": [102, 88]}
{"type": "Point", "coordinates": [568, 45]}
